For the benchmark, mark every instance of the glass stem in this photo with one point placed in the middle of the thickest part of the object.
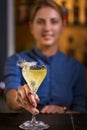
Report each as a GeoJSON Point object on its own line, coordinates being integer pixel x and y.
{"type": "Point", "coordinates": [33, 119]}
{"type": "Point", "coordinates": [72, 121]}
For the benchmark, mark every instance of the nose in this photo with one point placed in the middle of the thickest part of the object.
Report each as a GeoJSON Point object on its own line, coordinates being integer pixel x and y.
{"type": "Point", "coordinates": [47, 26]}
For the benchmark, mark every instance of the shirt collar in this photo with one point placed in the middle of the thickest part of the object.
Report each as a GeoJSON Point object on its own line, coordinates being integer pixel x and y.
{"type": "Point", "coordinates": [43, 57]}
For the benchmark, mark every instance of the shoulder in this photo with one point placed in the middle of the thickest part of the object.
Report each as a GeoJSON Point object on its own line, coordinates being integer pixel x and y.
{"type": "Point", "coordinates": [69, 60]}
{"type": "Point", "coordinates": [18, 56]}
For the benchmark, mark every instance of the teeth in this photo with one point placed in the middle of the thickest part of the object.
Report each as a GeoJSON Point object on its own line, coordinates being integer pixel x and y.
{"type": "Point", "coordinates": [47, 36]}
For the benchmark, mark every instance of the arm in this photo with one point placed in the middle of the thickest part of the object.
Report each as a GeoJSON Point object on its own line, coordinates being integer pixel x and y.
{"type": "Point", "coordinates": [11, 98]}
{"type": "Point", "coordinates": [22, 99]}
{"type": "Point", "coordinates": [17, 97]}
{"type": "Point", "coordinates": [79, 95]}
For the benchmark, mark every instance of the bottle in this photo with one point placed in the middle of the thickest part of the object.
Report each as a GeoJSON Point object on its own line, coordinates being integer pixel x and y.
{"type": "Point", "coordinates": [86, 12]}
{"type": "Point", "coordinates": [65, 12]}
{"type": "Point", "coordinates": [76, 12]}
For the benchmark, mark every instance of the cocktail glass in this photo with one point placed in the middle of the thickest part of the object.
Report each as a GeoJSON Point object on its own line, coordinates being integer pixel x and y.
{"type": "Point", "coordinates": [33, 74]}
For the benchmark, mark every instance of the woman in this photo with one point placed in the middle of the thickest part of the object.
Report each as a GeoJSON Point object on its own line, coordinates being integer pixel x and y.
{"type": "Point", "coordinates": [63, 89]}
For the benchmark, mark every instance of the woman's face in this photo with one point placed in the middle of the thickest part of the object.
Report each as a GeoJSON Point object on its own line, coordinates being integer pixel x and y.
{"type": "Point", "coordinates": [47, 27]}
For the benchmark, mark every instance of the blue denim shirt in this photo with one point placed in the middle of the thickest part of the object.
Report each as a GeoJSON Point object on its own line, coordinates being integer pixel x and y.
{"type": "Point", "coordinates": [64, 84]}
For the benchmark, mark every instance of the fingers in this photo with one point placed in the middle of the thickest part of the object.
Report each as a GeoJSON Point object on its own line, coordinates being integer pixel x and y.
{"type": "Point", "coordinates": [21, 92]}
{"type": "Point", "coordinates": [27, 89]}
{"type": "Point", "coordinates": [32, 110]}
{"type": "Point", "coordinates": [29, 95]}
{"type": "Point", "coordinates": [21, 97]}
{"type": "Point", "coordinates": [44, 109]}
{"type": "Point", "coordinates": [52, 109]}
{"type": "Point", "coordinates": [28, 107]}
{"type": "Point", "coordinates": [34, 99]}
{"type": "Point", "coordinates": [27, 100]}
{"type": "Point", "coordinates": [24, 93]}
{"type": "Point", "coordinates": [37, 98]}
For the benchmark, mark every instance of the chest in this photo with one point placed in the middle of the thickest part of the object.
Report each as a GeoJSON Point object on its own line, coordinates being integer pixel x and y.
{"type": "Point", "coordinates": [60, 80]}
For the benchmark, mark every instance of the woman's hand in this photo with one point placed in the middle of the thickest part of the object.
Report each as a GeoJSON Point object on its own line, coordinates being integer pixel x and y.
{"type": "Point", "coordinates": [53, 109]}
{"type": "Point", "coordinates": [27, 100]}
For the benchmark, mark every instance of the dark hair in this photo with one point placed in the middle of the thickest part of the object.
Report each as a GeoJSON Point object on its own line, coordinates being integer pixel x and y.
{"type": "Point", "coordinates": [43, 3]}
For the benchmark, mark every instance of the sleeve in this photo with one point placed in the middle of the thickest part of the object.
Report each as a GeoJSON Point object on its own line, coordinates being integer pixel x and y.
{"type": "Point", "coordinates": [12, 73]}
{"type": "Point", "coordinates": [79, 90]}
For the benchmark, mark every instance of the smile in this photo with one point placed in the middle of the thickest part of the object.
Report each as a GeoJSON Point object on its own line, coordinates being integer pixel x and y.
{"type": "Point", "coordinates": [47, 36]}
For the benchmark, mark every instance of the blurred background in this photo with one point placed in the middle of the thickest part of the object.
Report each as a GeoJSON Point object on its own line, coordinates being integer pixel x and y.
{"type": "Point", "coordinates": [15, 35]}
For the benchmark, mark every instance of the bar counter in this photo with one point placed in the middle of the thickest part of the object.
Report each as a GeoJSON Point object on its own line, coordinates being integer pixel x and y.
{"type": "Point", "coordinates": [11, 121]}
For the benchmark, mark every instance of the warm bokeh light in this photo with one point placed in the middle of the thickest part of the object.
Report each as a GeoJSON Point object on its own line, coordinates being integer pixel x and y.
{"type": "Point", "coordinates": [70, 6]}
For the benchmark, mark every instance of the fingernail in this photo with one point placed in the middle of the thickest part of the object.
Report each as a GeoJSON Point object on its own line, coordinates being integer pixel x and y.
{"type": "Point", "coordinates": [36, 112]}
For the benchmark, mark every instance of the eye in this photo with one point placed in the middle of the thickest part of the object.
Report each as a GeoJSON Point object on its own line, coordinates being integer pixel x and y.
{"type": "Point", "coordinates": [54, 21]}
{"type": "Point", "coordinates": [40, 21]}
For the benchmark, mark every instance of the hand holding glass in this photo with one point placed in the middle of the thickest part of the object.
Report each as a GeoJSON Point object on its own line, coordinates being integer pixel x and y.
{"type": "Point", "coordinates": [34, 74]}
